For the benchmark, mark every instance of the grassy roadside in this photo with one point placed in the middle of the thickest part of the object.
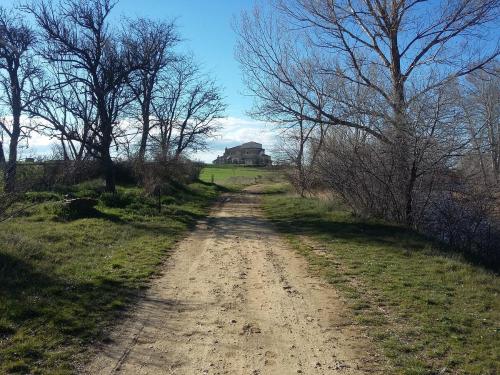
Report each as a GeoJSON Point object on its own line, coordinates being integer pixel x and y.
{"type": "Point", "coordinates": [63, 282]}
{"type": "Point", "coordinates": [429, 312]}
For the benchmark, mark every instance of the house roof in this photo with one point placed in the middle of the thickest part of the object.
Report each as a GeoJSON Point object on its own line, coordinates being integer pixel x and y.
{"type": "Point", "coordinates": [249, 145]}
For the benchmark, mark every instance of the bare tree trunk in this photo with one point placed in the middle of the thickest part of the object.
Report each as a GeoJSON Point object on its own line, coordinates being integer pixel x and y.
{"type": "Point", "coordinates": [406, 168]}
{"type": "Point", "coordinates": [479, 151]}
{"type": "Point", "coordinates": [496, 169]}
{"type": "Point", "coordinates": [180, 141]}
{"type": "Point", "coordinates": [65, 152]}
{"type": "Point", "coordinates": [2, 158]}
{"type": "Point", "coordinates": [168, 141]}
{"type": "Point", "coordinates": [409, 212]}
{"type": "Point", "coordinates": [105, 149]}
{"type": "Point", "coordinates": [495, 150]}
{"type": "Point", "coordinates": [11, 166]}
{"type": "Point", "coordinates": [110, 176]}
{"type": "Point", "coordinates": [11, 169]}
{"type": "Point", "coordinates": [145, 114]}
{"type": "Point", "coordinates": [12, 61]}
{"type": "Point", "coordinates": [144, 140]}
{"type": "Point", "coordinates": [109, 172]}
{"type": "Point", "coordinates": [300, 160]}
{"type": "Point", "coordinates": [109, 166]}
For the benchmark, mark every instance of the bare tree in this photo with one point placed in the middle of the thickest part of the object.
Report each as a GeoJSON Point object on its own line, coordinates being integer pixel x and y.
{"type": "Point", "coordinates": [301, 142]}
{"type": "Point", "coordinates": [153, 42]}
{"type": "Point", "coordinates": [186, 110]}
{"type": "Point", "coordinates": [481, 105]}
{"type": "Point", "coordinates": [65, 111]}
{"type": "Point", "coordinates": [397, 54]}
{"type": "Point", "coordinates": [18, 71]}
{"type": "Point", "coordinates": [77, 34]}
{"type": "Point", "coordinates": [3, 162]}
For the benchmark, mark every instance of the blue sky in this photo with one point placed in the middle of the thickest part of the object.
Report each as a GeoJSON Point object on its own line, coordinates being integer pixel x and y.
{"type": "Point", "coordinates": [206, 27]}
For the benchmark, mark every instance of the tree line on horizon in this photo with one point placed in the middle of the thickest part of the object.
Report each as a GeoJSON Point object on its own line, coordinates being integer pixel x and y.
{"type": "Point", "coordinates": [393, 105]}
{"type": "Point", "coordinates": [101, 89]}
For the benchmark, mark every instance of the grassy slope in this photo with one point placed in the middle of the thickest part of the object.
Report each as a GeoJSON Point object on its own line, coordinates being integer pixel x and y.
{"type": "Point", "coordinates": [63, 283]}
{"type": "Point", "coordinates": [431, 313]}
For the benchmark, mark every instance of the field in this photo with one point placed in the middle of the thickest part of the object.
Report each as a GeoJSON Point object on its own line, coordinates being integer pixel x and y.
{"type": "Point", "coordinates": [236, 177]}
{"type": "Point", "coordinates": [430, 312]}
{"type": "Point", "coordinates": [63, 280]}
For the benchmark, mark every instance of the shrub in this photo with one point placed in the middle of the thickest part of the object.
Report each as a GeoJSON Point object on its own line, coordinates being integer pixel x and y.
{"type": "Point", "coordinates": [91, 189]}
{"type": "Point", "coordinates": [42, 196]}
{"type": "Point", "coordinates": [48, 175]}
{"type": "Point", "coordinates": [161, 175]}
{"type": "Point", "coordinates": [126, 173]}
{"type": "Point", "coordinates": [466, 221]}
{"type": "Point", "coordinates": [74, 209]}
{"type": "Point", "coordinates": [119, 199]}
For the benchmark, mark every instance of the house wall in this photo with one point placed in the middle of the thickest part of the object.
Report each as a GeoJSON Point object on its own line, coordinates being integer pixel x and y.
{"type": "Point", "coordinates": [247, 156]}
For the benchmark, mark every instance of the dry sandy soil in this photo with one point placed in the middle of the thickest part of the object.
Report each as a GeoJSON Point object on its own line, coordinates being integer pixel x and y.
{"type": "Point", "coordinates": [235, 299]}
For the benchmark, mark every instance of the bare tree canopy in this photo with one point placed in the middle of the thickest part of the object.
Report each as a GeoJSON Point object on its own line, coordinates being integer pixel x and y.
{"type": "Point", "coordinates": [153, 43]}
{"type": "Point", "coordinates": [18, 75]}
{"type": "Point", "coordinates": [103, 85]}
{"type": "Point", "coordinates": [186, 112]}
{"type": "Point", "coordinates": [480, 101]}
{"type": "Point", "coordinates": [386, 69]}
{"type": "Point", "coordinates": [99, 59]}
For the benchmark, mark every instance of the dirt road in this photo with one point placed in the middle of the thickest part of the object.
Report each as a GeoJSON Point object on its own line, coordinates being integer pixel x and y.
{"type": "Point", "coordinates": [234, 299]}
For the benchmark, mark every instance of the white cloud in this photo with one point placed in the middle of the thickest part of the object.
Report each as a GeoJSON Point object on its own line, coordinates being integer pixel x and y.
{"type": "Point", "coordinates": [38, 140]}
{"type": "Point", "coordinates": [35, 140]}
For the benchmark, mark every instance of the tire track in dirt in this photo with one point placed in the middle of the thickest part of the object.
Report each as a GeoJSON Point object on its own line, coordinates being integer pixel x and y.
{"type": "Point", "coordinates": [234, 299]}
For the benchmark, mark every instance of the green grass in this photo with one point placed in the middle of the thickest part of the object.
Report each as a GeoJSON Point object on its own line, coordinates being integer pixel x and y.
{"type": "Point", "coordinates": [236, 177]}
{"type": "Point", "coordinates": [430, 312]}
{"type": "Point", "coordinates": [64, 282]}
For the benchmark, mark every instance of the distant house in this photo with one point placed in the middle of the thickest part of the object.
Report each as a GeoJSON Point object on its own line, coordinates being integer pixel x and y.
{"type": "Point", "coordinates": [250, 153]}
